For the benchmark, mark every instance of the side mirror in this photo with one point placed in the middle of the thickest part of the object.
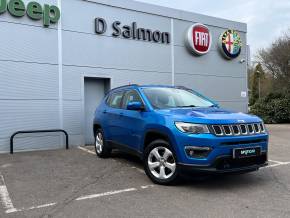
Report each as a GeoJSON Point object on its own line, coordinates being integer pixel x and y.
{"type": "Point", "coordinates": [135, 106]}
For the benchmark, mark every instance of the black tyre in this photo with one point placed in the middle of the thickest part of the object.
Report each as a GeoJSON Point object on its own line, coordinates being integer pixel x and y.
{"type": "Point", "coordinates": [160, 163]}
{"type": "Point", "coordinates": [101, 147]}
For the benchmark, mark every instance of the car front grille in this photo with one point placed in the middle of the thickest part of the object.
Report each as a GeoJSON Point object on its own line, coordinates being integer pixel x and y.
{"type": "Point", "coordinates": [238, 129]}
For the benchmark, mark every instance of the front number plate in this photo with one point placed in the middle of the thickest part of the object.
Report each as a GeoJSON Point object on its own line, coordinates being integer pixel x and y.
{"type": "Point", "coordinates": [246, 152]}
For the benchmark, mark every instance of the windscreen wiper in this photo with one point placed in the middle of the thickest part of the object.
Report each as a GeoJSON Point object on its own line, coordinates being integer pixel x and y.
{"type": "Point", "coordinates": [187, 106]}
{"type": "Point", "coordinates": [214, 105]}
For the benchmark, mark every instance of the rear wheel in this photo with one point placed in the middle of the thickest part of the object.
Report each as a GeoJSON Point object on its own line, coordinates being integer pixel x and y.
{"type": "Point", "coordinates": [160, 163]}
{"type": "Point", "coordinates": [101, 147]}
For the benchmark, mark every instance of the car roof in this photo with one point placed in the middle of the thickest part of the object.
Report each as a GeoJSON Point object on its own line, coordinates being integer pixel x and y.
{"type": "Point", "coordinates": [132, 86]}
{"type": "Point", "coordinates": [136, 86]}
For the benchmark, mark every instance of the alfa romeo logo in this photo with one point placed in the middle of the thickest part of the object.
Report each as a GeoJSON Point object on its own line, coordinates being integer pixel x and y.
{"type": "Point", "coordinates": [198, 39]}
{"type": "Point", "coordinates": [230, 44]}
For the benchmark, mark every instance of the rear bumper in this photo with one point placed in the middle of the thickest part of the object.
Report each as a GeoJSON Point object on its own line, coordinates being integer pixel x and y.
{"type": "Point", "coordinates": [226, 165]}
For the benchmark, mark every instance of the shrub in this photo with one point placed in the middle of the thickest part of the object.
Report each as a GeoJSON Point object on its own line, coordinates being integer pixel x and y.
{"type": "Point", "coordinates": [274, 108]}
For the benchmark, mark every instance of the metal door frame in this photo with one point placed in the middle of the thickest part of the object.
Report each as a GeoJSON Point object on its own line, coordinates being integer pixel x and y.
{"type": "Point", "coordinates": [83, 77]}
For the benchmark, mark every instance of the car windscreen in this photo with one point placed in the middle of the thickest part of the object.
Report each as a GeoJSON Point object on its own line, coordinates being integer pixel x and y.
{"type": "Point", "coordinates": [163, 97]}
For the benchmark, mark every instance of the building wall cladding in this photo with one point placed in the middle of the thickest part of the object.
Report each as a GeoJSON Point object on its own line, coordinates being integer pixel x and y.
{"type": "Point", "coordinates": [33, 97]}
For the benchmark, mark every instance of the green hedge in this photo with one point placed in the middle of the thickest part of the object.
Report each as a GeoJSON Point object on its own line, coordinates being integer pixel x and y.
{"type": "Point", "coordinates": [274, 108]}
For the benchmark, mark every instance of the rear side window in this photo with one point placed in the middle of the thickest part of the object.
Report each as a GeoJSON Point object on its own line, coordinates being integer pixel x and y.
{"type": "Point", "coordinates": [115, 100]}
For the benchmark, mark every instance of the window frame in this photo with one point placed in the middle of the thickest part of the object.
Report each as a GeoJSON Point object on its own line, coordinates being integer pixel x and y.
{"type": "Point", "coordinates": [124, 107]}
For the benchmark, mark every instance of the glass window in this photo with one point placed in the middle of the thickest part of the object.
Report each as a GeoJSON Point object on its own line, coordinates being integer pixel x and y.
{"type": "Point", "coordinates": [131, 96]}
{"type": "Point", "coordinates": [163, 97]}
{"type": "Point", "coordinates": [115, 100]}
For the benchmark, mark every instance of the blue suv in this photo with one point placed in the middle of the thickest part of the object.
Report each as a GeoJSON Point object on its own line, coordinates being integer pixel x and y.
{"type": "Point", "coordinates": [175, 130]}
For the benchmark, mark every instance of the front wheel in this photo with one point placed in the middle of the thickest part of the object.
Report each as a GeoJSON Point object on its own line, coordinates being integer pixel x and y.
{"type": "Point", "coordinates": [160, 163]}
{"type": "Point", "coordinates": [101, 147]}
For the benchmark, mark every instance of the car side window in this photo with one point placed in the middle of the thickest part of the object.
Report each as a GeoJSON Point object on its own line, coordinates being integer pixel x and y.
{"type": "Point", "coordinates": [131, 96]}
{"type": "Point", "coordinates": [115, 100]}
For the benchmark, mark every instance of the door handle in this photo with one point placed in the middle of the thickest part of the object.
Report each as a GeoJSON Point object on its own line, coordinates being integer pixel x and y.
{"type": "Point", "coordinates": [121, 114]}
{"type": "Point", "coordinates": [104, 111]}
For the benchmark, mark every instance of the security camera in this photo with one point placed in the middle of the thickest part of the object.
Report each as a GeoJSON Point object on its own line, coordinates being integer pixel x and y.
{"type": "Point", "coordinates": [242, 61]}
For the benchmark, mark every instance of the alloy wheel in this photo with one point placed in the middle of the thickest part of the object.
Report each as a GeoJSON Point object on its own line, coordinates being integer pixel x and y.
{"type": "Point", "coordinates": [161, 163]}
{"type": "Point", "coordinates": [99, 142]}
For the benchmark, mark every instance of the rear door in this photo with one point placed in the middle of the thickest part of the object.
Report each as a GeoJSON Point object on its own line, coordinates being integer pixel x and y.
{"type": "Point", "coordinates": [132, 121]}
{"type": "Point", "coordinates": [113, 113]}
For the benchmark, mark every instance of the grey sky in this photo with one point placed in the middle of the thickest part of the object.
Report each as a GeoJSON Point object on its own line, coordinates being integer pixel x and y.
{"type": "Point", "coordinates": [266, 19]}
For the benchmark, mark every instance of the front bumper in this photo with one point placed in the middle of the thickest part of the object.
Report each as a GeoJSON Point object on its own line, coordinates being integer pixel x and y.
{"type": "Point", "coordinates": [226, 164]}
{"type": "Point", "coordinates": [220, 146]}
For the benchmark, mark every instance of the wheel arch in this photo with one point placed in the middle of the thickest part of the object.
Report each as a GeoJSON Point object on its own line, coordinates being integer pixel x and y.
{"type": "Point", "coordinates": [95, 127]}
{"type": "Point", "coordinates": [154, 134]}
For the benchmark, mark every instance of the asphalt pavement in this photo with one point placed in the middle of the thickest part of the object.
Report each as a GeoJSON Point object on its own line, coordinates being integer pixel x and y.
{"type": "Point", "coordinates": [75, 183]}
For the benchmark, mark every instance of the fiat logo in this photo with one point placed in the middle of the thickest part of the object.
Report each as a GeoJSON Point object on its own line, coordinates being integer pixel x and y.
{"type": "Point", "coordinates": [198, 39]}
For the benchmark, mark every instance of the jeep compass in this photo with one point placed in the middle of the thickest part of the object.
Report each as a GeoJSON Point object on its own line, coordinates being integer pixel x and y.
{"type": "Point", "coordinates": [175, 130]}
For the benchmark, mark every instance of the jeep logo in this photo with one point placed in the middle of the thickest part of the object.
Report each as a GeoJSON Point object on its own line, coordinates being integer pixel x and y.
{"type": "Point", "coordinates": [48, 13]}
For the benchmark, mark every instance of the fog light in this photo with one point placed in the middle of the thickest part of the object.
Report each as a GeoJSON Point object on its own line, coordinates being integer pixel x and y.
{"type": "Point", "coordinates": [197, 152]}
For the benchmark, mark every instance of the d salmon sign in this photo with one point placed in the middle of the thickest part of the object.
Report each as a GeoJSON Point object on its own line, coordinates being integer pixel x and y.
{"type": "Point", "coordinates": [230, 44]}
{"type": "Point", "coordinates": [198, 39]}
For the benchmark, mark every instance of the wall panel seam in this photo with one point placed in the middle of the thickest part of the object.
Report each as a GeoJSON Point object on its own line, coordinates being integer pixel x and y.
{"type": "Point", "coordinates": [86, 66]}
{"type": "Point", "coordinates": [28, 62]}
{"type": "Point", "coordinates": [172, 53]}
{"type": "Point", "coordinates": [28, 99]}
{"type": "Point", "coordinates": [211, 75]}
{"type": "Point", "coordinates": [119, 69]}
{"type": "Point", "coordinates": [60, 78]}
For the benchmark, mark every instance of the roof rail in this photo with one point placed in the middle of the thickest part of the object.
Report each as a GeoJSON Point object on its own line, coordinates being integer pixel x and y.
{"type": "Point", "coordinates": [183, 87]}
{"type": "Point", "coordinates": [125, 86]}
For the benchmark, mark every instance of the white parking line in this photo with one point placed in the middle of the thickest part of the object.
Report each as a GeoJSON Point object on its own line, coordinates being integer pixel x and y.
{"type": "Point", "coordinates": [105, 194]}
{"type": "Point", "coordinates": [4, 196]}
{"type": "Point", "coordinates": [138, 169]}
{"type": "Point", "coordinates": [85, 197]}
{"type": "Point", "coordinates": [147, 186]}
{"type": "Point", "coordinates": [40, 206]}
{"type": "Point", "coordinates": [276, 164]}
{"type": "Point", "coordinates": [275, 161]}
{"type": "Point", "coordinates": [87, 150]}
{"type": "Point", "coordinates": [31, 208]}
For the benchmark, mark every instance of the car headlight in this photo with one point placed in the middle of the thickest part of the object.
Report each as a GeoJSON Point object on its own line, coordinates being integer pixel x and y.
{"type": "Point", "coordinates": [192, 128]}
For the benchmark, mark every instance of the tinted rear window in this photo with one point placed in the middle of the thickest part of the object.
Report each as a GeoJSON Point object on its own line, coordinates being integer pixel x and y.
{"type": "Point", "coordinates": [115, 100]}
